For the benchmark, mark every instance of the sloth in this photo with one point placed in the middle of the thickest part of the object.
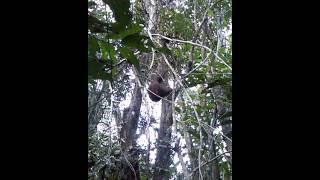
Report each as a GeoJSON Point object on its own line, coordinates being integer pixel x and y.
{"type": "Point", "coordinates": [159, 88]}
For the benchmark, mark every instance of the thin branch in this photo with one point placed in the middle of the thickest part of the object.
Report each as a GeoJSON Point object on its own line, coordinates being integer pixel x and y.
{"type": "Point", "coordinates": [190, 42]}
{"type": "Point", "coordinates": [153, 54]}
{"type": "Point", "coordinates": [202, 62]}
{"type": "Point", "coordinates": [209, 161]}
{"type": "Point", "coordinates": [182, 41]}
{"type": "Point", "coordinates": [226, 137]}
{"type": "Point", "coordinates": [198, 31]}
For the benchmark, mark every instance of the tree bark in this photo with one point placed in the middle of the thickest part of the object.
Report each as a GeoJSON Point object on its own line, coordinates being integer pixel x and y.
{"type": "Point", "coordinates": [128, 136]}
{"type": "Point", "coordinates": [163, 159]}
{"type": "Point", "coordinates": [164, 149]}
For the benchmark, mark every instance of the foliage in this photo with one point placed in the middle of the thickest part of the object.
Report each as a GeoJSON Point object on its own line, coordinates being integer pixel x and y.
{"type": "Point", "coordinates": [117, 38]}
{"type": "Point", "coordinates": [114, 40]}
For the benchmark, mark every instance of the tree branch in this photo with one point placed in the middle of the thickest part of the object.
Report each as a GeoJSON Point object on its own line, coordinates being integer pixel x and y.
{"type": "Point", "coordinates": [190, 42]}
{"type": "Point", "coordinates": [209, 161]}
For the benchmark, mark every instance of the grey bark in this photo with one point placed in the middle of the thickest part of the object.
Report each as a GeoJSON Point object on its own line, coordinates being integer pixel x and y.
{"type": "Point", "coordinates": [127, 133]}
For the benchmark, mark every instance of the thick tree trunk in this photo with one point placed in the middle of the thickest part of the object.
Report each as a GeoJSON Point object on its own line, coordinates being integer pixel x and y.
{"type": "Point", "coordinates": [162, 163]}
{"type": "Point", "coordinates": [163, 159]}
{"type": "Point", "coordinates": [128, 136]}
{"type": "Point", "coordinates": [214, 170]}
{"type": "Point", "coordinates": [164, 152]}
{"type": "Point", "coordinates": [226, 123]}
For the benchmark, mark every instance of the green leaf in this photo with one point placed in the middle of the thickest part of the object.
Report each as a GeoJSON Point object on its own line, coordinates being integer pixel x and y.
{"type": "Point", "coordinates": [92, 46]}
{"type": "Point", "coordinates": [188, 121]}
{"type": "Point", "coordinates": [135, 41]}
{"type": "Point", "coordinates": [118, 34]}
{"type": "Point", "coordinates": [95, 71]}
{"type": "Point", "coordinates": [116, 28]}
{"type": "Point", "coordinates": [114, 71]}
{"type": "Point", "coordinates": [120, 9]}
{"type": "Point", "coordinates": [210, 106]}
{"type": "Point", "coordinates": [107, 49]}
{"type": "Point", "coordinates": [210, 13]}
{"type": "Point", "coordinates": [104, 52]}
{"type": "Point", "coordinates": [130, 57]}
{"type": "Point", "coordinates": [223, 166]}
{"type": "Point", "coordinates": [164, 50]}
{"type": "Point", "coordinates": [186, 47]}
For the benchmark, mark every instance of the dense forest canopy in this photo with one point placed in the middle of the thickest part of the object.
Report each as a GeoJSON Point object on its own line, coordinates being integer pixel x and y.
{"type": "Point", "coordinates": [137, 50]}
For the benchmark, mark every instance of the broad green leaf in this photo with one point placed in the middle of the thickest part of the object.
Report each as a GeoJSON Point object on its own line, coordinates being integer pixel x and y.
{"type": "Point", "coordinates": [130, 57]}
{"type": "Point", "coordinates": [120, 9]}
{"type": "Point", "coordinates": [223, 166]}
{"type": "Point", "coordinates": [104, 52]}
{"type": "Point", "coordinates": [136, 41]}
{"type": "Point", "coordinates": [115, 28]}
{"type": "Point", "coordinates": [133, 29]}
{"type": "Point", "coordinates": [95, 70]}
{"type": "Point", "coordinates": [92, 46]}
{"type": "Point", "coordinates": [108, 49]}
{"type": "Point", "coordinates": [114, 71]}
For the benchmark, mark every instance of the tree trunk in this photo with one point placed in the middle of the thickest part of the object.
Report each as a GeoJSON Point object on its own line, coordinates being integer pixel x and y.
{"type": "Point", "coordinates": [163, 159]}
{"type": "Point", "coordinates": [164, 149]}
{"type": "Point", "coordinates": [128, 136]}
